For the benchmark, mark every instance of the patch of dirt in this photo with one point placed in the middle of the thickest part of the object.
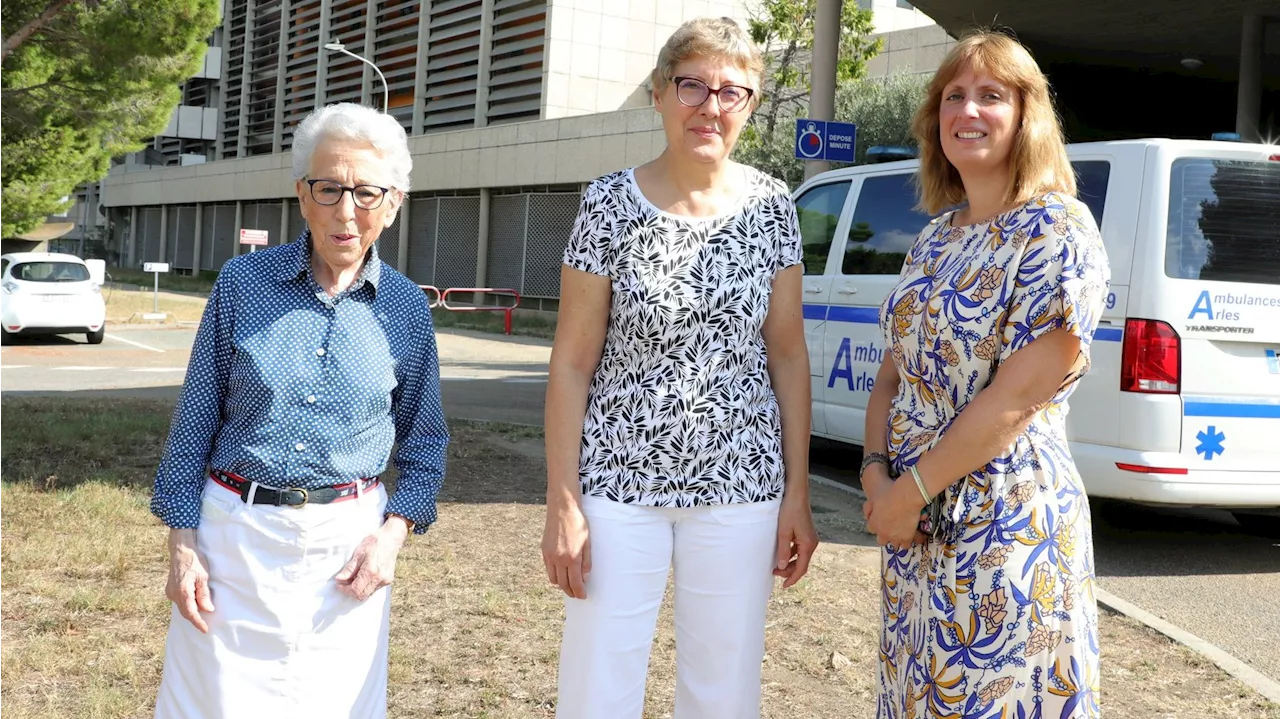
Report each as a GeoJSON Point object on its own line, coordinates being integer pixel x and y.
{"type": "Point", "coordinates": [476, 627]}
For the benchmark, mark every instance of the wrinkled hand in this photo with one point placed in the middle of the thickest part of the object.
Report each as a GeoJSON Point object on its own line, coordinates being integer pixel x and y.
{"type": "Point", "coordinates": [892, 512]}
{"type": "Point", "coordinates": [373, 565]}
{"type": "Point", "coordinates": [797, 539]}
{"type": "Point", "coordinates": [566, 549]}
{"type": "Point", "coordinates": [188, 584]}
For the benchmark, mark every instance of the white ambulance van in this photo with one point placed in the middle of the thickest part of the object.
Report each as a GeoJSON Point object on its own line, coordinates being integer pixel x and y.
{"type": "Point", "coordinates": [1182, 406]}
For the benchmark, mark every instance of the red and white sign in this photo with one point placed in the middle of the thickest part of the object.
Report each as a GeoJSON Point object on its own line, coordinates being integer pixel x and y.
{"type": "Point", "coordinates": [253, 237]}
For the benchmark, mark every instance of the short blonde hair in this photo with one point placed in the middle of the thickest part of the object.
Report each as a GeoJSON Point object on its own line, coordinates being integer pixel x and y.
{"type": "Point", "coordinates": [1039, 154]}
{"type": "Point", "coordinates": [721, 38]}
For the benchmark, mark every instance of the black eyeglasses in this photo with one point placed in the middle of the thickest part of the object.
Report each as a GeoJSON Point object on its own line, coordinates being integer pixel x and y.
{"type": "Point", "coordinates": [693, 92]}
{"type": "Point", "coordinates": [366, 197]}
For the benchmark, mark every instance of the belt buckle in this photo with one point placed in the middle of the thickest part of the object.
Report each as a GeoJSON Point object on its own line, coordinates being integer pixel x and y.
{"type": "Point", "coordinates": [305, 497]}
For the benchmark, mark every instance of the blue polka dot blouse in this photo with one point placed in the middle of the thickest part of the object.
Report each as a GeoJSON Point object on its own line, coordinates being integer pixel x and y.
{"type": "Point", "coordinates": [292, 388]}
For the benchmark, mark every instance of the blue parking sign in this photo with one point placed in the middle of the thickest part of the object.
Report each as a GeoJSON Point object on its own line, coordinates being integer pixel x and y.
{"type": "Point", "coordinates": [821, 140]}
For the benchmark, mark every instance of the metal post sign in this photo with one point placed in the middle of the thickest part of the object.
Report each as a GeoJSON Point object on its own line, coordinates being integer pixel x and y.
{"type": "Point", "coordinates": [829, 141]}
{"type": "Point", "coordinates": [253, 237]}
{"type": "Point", "coordinates": [156, 268]}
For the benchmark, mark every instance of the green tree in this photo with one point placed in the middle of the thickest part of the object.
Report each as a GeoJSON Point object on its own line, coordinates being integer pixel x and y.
{"type": "Point", "coordinates": [783, 30]}
{"type": "Point", "coordinates": [84, 81]}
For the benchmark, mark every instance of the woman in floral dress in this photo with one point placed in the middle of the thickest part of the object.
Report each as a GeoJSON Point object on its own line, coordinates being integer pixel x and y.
{"type": "Point", "coordinates": [987, 566]}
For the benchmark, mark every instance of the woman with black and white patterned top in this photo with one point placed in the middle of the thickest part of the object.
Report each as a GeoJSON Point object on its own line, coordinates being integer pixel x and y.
{"type": "Point", "coordinates": [678, 408]}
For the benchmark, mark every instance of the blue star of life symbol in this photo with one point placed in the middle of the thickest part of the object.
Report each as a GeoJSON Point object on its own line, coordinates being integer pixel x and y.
{"type": "Point", "coordinates": [1210, 442]}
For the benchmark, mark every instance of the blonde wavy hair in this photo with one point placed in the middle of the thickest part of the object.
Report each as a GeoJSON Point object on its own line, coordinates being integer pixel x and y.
{"type": "Point", "coordinates": [1038, 158]}
{"type": "Point", "coordinates": [721, 38]}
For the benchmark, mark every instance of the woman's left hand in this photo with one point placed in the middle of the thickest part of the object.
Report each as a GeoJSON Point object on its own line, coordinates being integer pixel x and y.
{"type": "Point", "coordinates": [373, 564]}
{"type": "Point", "coordinates": [797, 539]}
{"type": "Point", "coordinates": [894, 515]}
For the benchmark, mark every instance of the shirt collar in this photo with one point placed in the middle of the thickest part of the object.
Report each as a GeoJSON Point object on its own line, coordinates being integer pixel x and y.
{"type": "Point", "coordinates": [296, 260]}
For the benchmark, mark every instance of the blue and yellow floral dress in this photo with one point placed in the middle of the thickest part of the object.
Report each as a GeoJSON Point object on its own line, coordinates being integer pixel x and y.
{"type": "Point", "coordinates": [995, 617]}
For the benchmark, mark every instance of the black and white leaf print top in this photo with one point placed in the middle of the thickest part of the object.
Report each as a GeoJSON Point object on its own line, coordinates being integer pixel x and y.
{"type": "Point", "coordinates": [681, 411]}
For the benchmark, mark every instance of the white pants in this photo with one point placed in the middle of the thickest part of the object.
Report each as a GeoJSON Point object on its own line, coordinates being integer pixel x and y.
{"type": "Point", "coordinates": [723, 558]}
{"type": "Point", "coordinates": [283, 641]}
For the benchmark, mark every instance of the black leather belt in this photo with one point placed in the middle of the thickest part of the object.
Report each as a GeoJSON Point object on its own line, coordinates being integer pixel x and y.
{"type": "Point", "coordinates": [291, 496]}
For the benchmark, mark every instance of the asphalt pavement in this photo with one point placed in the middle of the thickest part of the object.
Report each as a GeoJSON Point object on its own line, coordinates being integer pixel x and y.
{"type": "Point", "coordinates": [1197, 569]}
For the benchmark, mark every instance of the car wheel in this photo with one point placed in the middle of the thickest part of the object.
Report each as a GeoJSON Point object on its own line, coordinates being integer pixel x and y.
{"type": "Point", "coordinates": [5, 337]}
{"type": "Point", "coordinates": [95, 338]}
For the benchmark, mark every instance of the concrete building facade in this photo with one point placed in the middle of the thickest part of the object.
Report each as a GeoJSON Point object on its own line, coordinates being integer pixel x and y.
{"type": "Point", "coordinates": [511, 107]}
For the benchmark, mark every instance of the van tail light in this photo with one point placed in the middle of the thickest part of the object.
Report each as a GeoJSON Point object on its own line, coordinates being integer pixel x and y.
{"type": "Point", "coordinates": [1151, 361]}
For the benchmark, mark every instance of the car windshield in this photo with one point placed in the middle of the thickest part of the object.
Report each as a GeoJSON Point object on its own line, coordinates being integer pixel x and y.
{"type": "Point", "coordinates": [50, 272]}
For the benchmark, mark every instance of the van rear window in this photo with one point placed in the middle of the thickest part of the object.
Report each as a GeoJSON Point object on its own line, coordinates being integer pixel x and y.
{"type": "Point", "coordinates": [1224, 221]}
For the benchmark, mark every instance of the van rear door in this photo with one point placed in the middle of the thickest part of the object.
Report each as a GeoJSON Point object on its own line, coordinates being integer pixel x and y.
{"type": "Point", "coordinates": [1205, 325]}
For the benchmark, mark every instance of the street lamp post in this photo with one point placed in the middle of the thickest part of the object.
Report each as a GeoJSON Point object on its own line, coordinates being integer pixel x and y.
{"type": "Point", "coordinates": [386, 92]}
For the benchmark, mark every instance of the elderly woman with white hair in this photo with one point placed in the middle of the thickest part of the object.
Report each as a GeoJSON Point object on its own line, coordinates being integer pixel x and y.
{"type": "Point", "coordinates": [311, 360]}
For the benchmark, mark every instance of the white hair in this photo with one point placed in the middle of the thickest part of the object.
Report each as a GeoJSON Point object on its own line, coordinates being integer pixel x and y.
{"type": "Point", "coordinates": [349, 121]}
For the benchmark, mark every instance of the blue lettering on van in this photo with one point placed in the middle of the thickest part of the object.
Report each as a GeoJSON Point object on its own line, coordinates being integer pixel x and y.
{"type": "Point", "coordinates": [1111, 301]}
{"type": "Point", "coordinates": [842, 368]}
{"type": "Point", "coordinates": [1204, 306]}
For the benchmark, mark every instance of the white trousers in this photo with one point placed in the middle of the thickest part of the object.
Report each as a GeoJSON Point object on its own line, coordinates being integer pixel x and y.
{"type": "Point", "coordinates": [283, 641]}
{"type": "Point", "coordinates": [723, 559]}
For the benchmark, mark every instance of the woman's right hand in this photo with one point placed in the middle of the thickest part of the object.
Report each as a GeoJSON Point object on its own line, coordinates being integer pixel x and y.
{"type": "Point", "coordinates": [566, 548]}
{"type": "Point", "coordinates": [188, 585]}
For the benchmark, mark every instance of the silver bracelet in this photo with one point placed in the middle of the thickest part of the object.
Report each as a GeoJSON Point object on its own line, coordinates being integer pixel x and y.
{"type": "Point", "coordinates": [915, 474]}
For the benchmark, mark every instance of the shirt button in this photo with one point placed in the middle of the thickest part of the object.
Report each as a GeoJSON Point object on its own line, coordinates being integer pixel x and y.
{"type": "Point", "coordinates": [320, 352]}
{"type": "Point", "coordinates": [299, 446]}
{"type": "Point", "coordinates": [311, 399]}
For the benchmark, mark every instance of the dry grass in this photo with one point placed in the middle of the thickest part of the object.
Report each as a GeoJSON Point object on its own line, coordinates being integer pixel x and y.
{"type": "Point", "coordinates": [475, 628]}
{"type": "Point", "coordinates": [123, 305]}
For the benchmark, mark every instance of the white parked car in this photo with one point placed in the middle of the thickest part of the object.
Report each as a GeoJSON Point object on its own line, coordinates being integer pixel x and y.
{"type": "Point", "coordinates": [1183, 404]}
{"type": "Point", "coordinates": [44, 293]}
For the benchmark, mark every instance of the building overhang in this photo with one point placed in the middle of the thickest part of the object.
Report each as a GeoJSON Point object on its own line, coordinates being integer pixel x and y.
{"type": "Point", "coordinates": [1156, 35]}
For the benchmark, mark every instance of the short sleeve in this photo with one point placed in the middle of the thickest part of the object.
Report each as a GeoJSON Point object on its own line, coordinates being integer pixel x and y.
{"type": "Point", "coordinates": [1062, 280]}
{"type": "Point", "coordinates": [790, 243]}
{"type": "Point", "coordinates": [590, 242]}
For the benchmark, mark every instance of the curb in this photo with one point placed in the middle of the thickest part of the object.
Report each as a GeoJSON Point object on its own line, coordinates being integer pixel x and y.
{"type": "Point", "coordinates": [838, 485]}
{"type": "Point", "coordinates": [1251, 677]}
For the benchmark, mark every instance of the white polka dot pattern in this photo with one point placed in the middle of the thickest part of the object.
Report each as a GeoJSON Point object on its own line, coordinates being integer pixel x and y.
{"type": "Point", "coordinates": [292, 388]}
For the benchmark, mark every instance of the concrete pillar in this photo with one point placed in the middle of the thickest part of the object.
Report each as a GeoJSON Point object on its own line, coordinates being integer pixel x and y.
{"type": "Point", "coordinates": [277, 132]}
{"type": "Point", "coordinates": [235, 236]}
{"type": "Point", "coordinates": [482, 68]}
{"type": "Point", "coordinates": [366, 72]}
{"type": "Point", "coordinates": [822, 78]}
{"type": "Point", "coordinates": [284, 222]}
{"type": "Point", "coordinates": [197, 240]}
{"type": "Point", "coordinates": [217, 97]}
{"type": "Point", "coordinates": [322, 55]}
{"type": "Point", "coordinates": [1249, 91]}
{"type": "Point", "coordinates": [132, 253]}
{"type": "Point", "coordinates": [246, 79]}
{"type": "Point", "coordinates": [164, 234]}
{"type": "Point", "coordinates": [420, 72]}
{"type": "Point", "coordinates": [402, 242]}
{"type": "Point", "coordinates": [482, 239]}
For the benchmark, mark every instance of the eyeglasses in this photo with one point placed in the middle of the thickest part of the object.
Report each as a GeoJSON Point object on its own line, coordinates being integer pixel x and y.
{"type": "Point", "coordinates": [693, 92]}
{"type": "Point", "coordinates": [366, 197]}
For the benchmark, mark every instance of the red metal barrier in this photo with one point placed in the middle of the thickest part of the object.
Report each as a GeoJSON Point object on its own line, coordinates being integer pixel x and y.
{"type": "Point", "coordinates": [442, 300]}
{"type": "Point", "coordinates": [429, 289]}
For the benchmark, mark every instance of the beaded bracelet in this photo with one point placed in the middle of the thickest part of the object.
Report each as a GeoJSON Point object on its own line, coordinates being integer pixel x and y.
{"type": "Point", "coordinates": [873, 458]}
